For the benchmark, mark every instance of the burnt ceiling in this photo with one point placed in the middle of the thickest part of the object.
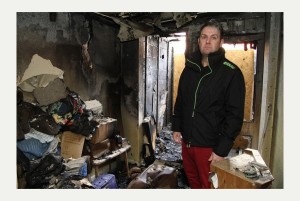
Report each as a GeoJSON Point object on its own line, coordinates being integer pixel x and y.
{"type": "Point", "coordinates": [165, 24]}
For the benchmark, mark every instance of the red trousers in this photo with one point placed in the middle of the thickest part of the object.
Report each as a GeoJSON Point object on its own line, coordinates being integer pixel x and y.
{"type": "Point", "coordinates": [196, 165]}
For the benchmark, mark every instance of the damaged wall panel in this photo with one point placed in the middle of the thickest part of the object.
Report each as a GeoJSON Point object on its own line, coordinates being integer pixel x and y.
{"type": "Point", "coordinates": [157, 79]}
{"type": "Point", "coordinates": [132, 99]}
{"type": "Point", "coordinates": [151, 76]}
{"type": "Point", "coordinates": [162, 90]}
{"type": "Point", "coordinates": [169, 108]}
{"type": "Point", "coordinates": [36, 34]}
{"type": "Point", "coordinates": [61, 41]}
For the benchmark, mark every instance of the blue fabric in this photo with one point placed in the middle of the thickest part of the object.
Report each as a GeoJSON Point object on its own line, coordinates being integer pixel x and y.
{"type": "Point", "coordinates": [83, 170]}
{"type": "Point", "coordinates": [32, 148]}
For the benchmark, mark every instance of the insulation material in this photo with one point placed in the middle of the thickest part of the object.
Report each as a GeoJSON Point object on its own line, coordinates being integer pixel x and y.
{"type": "Point", "coordinates": [95, 106]}
{"type": "Point", "coordinates": [39, 73]}
{"type": "Point", "coordinates": [53, 92]}
{"type": "Point", "coordinates": [130, 30]}
{"type": "Point", "coordinates": [245, 61]}
{"type": "Point", "coordinates": [127, 33]}
{"type": "Point", "coordinates": [181, 18]}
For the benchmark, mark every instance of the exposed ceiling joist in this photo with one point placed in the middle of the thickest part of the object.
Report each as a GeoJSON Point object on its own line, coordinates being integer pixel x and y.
{"type": "Point", "coordinates": [138, 24]}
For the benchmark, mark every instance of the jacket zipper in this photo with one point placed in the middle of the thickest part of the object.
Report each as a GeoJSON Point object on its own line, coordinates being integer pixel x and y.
{"type": "Point", "coordinates": [195, 99]}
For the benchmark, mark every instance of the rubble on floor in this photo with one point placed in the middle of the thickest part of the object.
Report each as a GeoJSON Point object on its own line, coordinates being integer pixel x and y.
{"type": "Point", "coordinates": [167, 153]}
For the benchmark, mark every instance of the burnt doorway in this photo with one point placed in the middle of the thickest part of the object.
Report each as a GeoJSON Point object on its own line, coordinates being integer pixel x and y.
{"type": "Point", "coordinates": [157, 79]}
{"type": "Point", "coordinates": [162, 54]}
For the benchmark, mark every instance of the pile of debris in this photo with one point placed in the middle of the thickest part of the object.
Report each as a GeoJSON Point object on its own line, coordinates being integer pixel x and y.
{"type": "Point", "coordinates": [166, 149]}
{"type": "Point", "coordinates": [167, 167]}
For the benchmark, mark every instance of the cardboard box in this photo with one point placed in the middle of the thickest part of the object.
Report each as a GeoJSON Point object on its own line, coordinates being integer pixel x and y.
{"type": "Point", "coordinates": [71, 145]}
{"type": "Point", "coordinates": [231, 173]}
{"type": "Point", "coordinates": [105, 130]}
{"type": "Point", "coordinates": [99, 149]}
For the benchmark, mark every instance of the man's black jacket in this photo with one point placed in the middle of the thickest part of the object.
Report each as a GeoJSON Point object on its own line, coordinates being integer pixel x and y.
{"type": "Point", "coordinates": [209, 108]}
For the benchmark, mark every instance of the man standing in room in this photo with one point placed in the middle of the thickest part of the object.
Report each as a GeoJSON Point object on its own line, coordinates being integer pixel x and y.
{"type": "Point", "coordinates": [209, 108]}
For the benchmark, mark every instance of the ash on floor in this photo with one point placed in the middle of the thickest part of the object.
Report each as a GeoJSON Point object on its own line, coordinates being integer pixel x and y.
{"type": "Point", "coordinates": [167, 152]}
{"type": "Point", "coordinates": [166, 149]}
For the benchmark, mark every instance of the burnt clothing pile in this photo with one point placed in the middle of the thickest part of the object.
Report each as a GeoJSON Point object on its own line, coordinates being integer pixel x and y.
{"type": "Point", "coordinates": [71, 115]}
{"type": "Point", "coordinates": [38, 142]}
{"type": "Point", "coordinates": [46, 108]}
{"type": "Point", "coordinates": [52, 171]}
{"type": "Point", "coordinates": [66, 114]}
{"type": "Point", "coordinates": [46, 168]}
{"type": "Point", "coordinates": [31, 116]}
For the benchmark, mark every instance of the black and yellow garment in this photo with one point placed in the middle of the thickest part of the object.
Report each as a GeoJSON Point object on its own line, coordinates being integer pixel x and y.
{"type": "Point", "coordinates": [209, 108]}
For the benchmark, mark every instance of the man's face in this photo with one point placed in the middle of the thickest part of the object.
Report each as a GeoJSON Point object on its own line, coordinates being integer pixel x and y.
{"type": "Point", "coordinates": [209, 40]}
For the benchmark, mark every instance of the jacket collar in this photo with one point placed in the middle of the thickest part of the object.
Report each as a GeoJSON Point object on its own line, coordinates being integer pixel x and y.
{"type": "Point", "coordinates": [214, 59]}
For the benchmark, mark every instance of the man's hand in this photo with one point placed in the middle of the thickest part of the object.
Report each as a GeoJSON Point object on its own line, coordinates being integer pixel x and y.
{"type": "Point", "coordinates": [177, 137]}
{"type": "Point", "coordinates": [214, 157]}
